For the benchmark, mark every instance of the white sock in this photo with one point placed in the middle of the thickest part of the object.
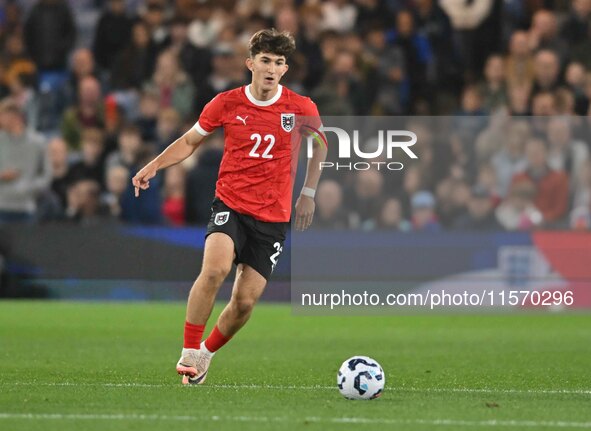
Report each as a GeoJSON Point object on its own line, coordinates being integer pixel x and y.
{"type": "Point", "coordinates": [204, 349]}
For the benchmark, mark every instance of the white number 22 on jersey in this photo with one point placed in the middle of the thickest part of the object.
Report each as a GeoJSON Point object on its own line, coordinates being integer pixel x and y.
{"type": "Point", "coordinates": [269, 139]}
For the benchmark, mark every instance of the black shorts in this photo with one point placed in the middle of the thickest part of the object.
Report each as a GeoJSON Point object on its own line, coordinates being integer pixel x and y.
{"type": "Point", "coordinates": [256, 243]}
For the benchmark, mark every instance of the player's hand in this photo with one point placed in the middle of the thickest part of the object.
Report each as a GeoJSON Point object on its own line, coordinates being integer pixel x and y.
{"type": "Point", "coordinates": [304, 207]}
{"type": "Point", "coordinates": [141, 181]}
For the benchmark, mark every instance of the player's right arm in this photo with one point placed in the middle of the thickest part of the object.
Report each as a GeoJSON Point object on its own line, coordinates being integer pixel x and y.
{"type": "Point", "coordinates": [175, 153]}
{"type": "Point", "coordinates": [179, 150]}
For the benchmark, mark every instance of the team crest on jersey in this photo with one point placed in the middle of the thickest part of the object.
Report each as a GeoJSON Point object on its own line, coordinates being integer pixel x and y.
{"type": "Point", "coordinates": [221, 218]}
{"type": "Point", "coordinates": [287, 122]}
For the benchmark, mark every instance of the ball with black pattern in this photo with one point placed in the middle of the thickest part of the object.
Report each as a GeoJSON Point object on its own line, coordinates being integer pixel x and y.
{"type": "Point", "coordinates": [361, 378]}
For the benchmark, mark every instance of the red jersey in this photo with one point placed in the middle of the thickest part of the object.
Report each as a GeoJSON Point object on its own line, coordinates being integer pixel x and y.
{"type": "Point", "coordinates": [260, 149]}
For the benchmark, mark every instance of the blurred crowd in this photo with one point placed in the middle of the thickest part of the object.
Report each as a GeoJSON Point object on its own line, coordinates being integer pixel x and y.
{"type": "Point", "coordinates": [92, 89]}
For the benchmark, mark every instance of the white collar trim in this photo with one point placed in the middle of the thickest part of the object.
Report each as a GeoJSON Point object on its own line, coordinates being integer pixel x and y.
{"type": "Point", "coordinates": [263, 102]}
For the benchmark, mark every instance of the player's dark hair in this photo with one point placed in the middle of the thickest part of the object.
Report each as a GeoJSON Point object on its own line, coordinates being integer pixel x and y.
{"type": "Point", "coordinates": [271, 41]}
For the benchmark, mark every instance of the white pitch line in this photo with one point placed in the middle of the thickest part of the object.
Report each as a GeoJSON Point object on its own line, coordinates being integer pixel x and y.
{"type": "Point", "coordinates": [315, 387]}
{"type": "Point", "coordinates": [315, 419]}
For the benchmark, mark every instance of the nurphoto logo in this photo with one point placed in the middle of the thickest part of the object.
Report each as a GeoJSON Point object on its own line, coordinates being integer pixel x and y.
{"type": "Point", "coordinates": [349, 146]}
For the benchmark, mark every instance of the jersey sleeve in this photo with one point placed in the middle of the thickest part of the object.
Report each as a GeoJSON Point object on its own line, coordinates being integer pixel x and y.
{"type": "Point", "coordinates": [211, 116]}
{"type": "Point", "coordinates": [311, 123]}
{"type": "Point", "coordinates": [310, 113]}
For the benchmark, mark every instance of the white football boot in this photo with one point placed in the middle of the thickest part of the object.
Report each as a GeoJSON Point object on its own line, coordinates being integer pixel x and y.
{"type": "Point", "coordinates": [193, 365]}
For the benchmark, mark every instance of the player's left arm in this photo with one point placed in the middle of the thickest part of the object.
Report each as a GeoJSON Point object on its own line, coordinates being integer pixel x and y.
{"type": "Point", "coordinates": [305, 205]}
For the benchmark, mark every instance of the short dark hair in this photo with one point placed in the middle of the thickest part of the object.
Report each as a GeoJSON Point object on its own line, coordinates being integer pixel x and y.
{"type": "Point", "coordinates": [272, 42]}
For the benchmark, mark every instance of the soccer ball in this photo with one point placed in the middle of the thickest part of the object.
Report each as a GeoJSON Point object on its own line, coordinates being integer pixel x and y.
{"type": "Point", "coordinates": [361, 378]}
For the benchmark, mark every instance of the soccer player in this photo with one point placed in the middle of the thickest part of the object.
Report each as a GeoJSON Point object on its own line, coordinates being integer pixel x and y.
{"type": "Point", "coordinates": [252, 206]}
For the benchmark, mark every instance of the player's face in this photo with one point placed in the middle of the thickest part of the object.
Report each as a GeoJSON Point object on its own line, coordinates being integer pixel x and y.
{"type": "Point", "coordinates": [267, 69]}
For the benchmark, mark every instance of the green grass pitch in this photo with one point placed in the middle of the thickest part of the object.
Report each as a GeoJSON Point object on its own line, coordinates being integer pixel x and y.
{"type": "Point", "coordinates": [103, 366]}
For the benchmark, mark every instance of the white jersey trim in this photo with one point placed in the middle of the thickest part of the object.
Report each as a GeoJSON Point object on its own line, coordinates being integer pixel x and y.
{"type": "Point", "coordinates": [200, 129]}
{"type": "Point", "coordinates": [257, 102]}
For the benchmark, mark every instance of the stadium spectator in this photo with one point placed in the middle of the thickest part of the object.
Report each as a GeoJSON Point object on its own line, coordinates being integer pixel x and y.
{"type": "Point", "coordinates": [50, 34]}
{"type": "Point", "coordinates": [486, 178]}
{"type": "Point", "coordinates": [147, 210]}
{"type": "Point", "coordinates": [580, 217]}
{"type": "Point", "coordinates": [544, 34]}
{"type": "Point", "coordinates": [341, 91]}
{"type": "Point", "coordinates": [168, 128]}
{"type": "Point", "coordinates": [82, 66]}
{"type": "Point", "coordinates": [391, 217]}
{"type": "Point", "coordinates": [371, 14]}
{"type": "Point", "coordinates": [550, 186]}
{"type": "Point", "coordinates": [544, 104]}
{"type": "Point", "coordinates": [223, 75]}
{"type": "Point", "coordinates": [423, 217]}
{"type": "Point", "coordinates": [16, 61]}
{"type": "Point", "coordinates": [88, 112]}
{"type": "Point", "coordinates": [135, 63]}
{"type": "Point", "coordinates": [24, 167]}
{"type": "Point", "coordinates": [286, 19]}
{"type": "Point", "coordinates": [588, 93]}
{"type": "Point", "coordinates": [519, 101]}
{"type": "Point", "coordinates": [581, 52]}
{"type": "Point", "coordinates": [147, 117]}
{"type": "Point", "coordinates": [576, 26]}
{"type": "Point", "coordinates": [366, 198]}
{"type": "Point", "coordinates": [172, 85]}
{"type": "Point", "coordinates": [435, 25]}
{"type": "Point", "coordinates": [518, 211]}
{"type": "Point", "coordinates": [454, 203]}
{"type": "Point", "coordinates": [480, 215]}
{"type": "Point", "coordinates": [12, 20]}
{"type": "Point", "coordinates": [23, 95]}
{"type": "Point", "coordinates": [296, 75]}
{"type": "Point", "coordinates": [173, 205]}
{"type": "Point", "coordinates": [112, 33]}
{"type": "Point", "coordinates": [546, 71]}
{"type": "Point", "coordinates": [574, 77]}
{"type": "Point", "coordinates": [412, 182]}
{"type": "Point", "coordinates": [57, 150]}
{"type": "Point", "coordinates": [338, 15]}
{"type": "Point", "coordinates": [308, 43]}
{"type": "Point", "coordinates": [330, 45]}
{"type": "Point", "coordinates": [582, 190]}
{"type": "Point", "coordinates": [430, 163]}
{"type": "Point", "coordinates": [468, 123]}
{"type": "Point", "coordinates": [388, 62]}
{"type": "Point", "coordinates": [90, 167]}
{"type": "Point", "coordinates": [196, 62]}
{"type": "Point", "coordinates": [565, 102]}
{"type": "Point", "coordinates": [565, 153]}
{"type": "Point", "coordinates": [417, 56]}
{"type": "Point", "coordinates": [117, 179]}
{"type": "Point", "coordinates": [201, 182]}
{"type": "Point", "coordinates": [84, 204]}
{"type": "Point", "coordinates": [130, 151]}
{"type": "Point", "coordinates": [154, 15]}
{"type": "Point", "coordinates": [487, 142]}
{"type": "Point", "coordinates": [468, 20]}
{"type": "Point", "coordinates": [510, 160]}
{"type": "Point", "coordinates": [519, 61]}
{"type": "Point", "coordinates": [494, 89]}
{"type": "Point", "coordinates": [330, 213]}
{"type": "Point", "coordinates": [206, 24]}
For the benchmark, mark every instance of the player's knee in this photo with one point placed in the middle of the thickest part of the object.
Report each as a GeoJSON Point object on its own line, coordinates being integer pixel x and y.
{"type": "Point", "coordinates": [243, 307]}
{"type": "Point", "coordinates": [215, 276]}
